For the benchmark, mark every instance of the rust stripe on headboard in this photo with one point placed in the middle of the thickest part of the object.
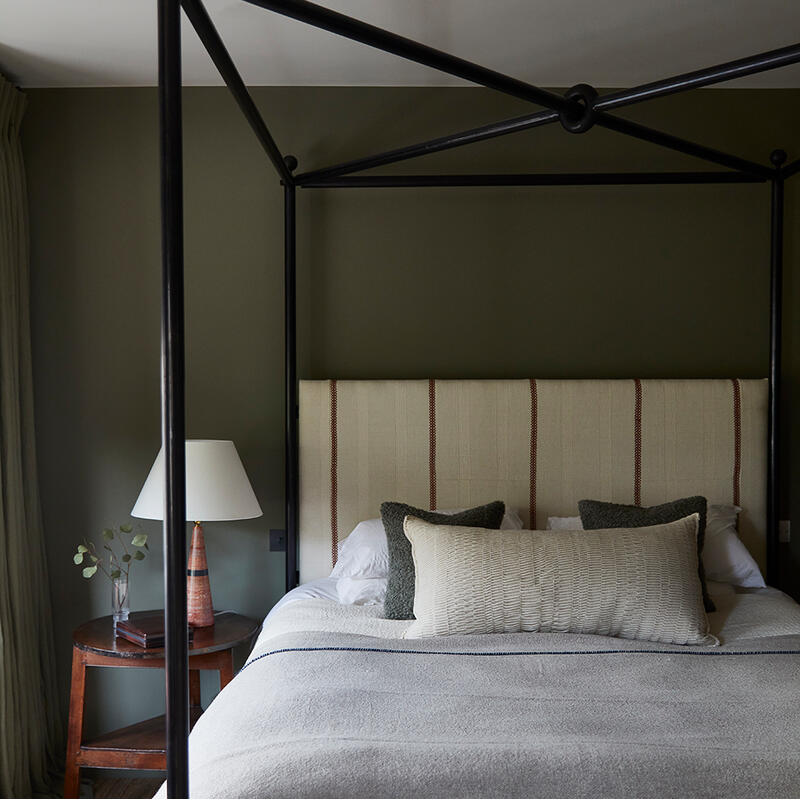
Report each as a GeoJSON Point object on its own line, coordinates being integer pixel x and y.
{"type": "Point", "coordinates": [334, 477]}
{"type": "Point", "coordinates": [737, 440]}
{"type": "Point", "coordinates": [637, 443]}
{"type": "Point", "coordinates": [432, 440]}
{"type": "Point", "coordinates": [534, 443]}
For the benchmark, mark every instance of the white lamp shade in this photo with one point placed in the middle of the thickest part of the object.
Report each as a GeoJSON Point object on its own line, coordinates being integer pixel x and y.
{"type": "Point", "coordinates": [217, 487]}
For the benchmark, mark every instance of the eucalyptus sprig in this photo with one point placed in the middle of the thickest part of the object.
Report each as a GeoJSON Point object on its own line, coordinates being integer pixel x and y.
{"type": "Point", "coordinates": [113, 564]}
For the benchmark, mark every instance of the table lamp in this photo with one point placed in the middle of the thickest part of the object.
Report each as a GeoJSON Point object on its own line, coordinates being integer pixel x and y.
{"type": "Point", "coordinates": [217, 489]}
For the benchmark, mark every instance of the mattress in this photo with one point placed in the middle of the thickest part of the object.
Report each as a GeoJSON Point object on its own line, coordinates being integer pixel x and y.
{"type": "Point", "coordinates": [334, 701]}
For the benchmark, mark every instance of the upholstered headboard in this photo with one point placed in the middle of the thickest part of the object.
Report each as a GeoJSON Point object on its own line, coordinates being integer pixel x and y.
{"type": "Point", "coordinates": [540, 445]}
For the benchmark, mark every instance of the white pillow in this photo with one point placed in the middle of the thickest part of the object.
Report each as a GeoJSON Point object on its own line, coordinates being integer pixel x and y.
{"type": "Point", "coordinates": [365, 552]}
{"type": "Point", "coordinates": [511, 521]}
{"type": "Point", "coordinates": [361, 591]}
{"type": "Point", "coordinates": [564, 524]}
{"type": "Point", "coordinates": [725, 558]}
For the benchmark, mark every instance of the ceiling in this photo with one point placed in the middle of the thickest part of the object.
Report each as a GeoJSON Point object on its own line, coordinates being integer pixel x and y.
{"type": "Point", "coordinates": [608, 43]}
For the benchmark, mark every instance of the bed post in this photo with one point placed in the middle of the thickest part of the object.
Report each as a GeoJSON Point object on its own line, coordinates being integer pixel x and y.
{"type": "Point", "coordinates": [290, 374]}
{"type": "Point", "coordinates": [778, 157]}
{"type": "Point", "coordinates": [173, 432]}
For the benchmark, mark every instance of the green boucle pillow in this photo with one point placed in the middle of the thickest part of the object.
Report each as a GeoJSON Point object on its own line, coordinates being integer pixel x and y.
{"type": "Point", "coordinates": [596, 514]}
{"type": "Point", "coordinates": [399, 602]}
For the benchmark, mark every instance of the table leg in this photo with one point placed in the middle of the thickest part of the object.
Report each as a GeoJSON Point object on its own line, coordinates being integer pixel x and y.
{"type": "Point", "coordinates": [72, 774]}
{"type": "Point", "coordinates": [225, 668]}
{"type": "Point", "coordinates": [195, 698]}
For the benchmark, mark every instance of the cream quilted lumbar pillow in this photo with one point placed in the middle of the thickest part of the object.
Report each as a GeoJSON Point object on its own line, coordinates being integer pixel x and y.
{"type": "Point", "coordinates": [636, 583]}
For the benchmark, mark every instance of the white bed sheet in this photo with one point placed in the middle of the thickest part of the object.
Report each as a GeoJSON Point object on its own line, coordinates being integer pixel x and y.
{"type": "Point", "coordinates": [322, 589]}
{"type": "Point", "coordinates": [314, 606]}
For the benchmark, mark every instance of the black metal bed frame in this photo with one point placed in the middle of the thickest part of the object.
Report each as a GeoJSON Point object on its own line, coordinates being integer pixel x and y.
{"type": "Point", "coordinates": [577, 111]}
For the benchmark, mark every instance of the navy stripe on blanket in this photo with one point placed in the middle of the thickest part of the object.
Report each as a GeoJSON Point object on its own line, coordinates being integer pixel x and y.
{"type": "Point", "coordinates": [521, 652]}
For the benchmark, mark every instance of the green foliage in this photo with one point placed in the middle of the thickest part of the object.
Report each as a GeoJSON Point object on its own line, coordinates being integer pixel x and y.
{"type": "Point", "coordinates": [116, 564]}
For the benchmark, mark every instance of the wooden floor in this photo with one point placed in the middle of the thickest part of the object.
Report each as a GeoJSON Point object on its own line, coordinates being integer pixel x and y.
{"type": "Point", "coordinates": [126, 787]}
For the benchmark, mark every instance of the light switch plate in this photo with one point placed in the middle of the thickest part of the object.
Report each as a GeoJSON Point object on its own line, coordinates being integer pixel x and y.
{"type": "Point", "coordinates": [784, 530]}
{"type": "Point", "coordinates": [277, 540]}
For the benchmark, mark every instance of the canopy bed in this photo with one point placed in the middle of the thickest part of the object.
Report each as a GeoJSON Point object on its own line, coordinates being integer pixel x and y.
{"type": "Point", "coordinates": [630, 446]}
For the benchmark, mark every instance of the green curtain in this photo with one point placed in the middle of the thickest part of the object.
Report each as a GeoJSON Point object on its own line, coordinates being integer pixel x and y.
{"type": "Point", "coordinates": [30, 719]}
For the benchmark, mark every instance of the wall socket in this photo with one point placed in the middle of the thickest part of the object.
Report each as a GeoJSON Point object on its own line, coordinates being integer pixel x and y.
{"type": "Point", "coordinates": [784, 530]}
{"type": "Point", "coordinates": [277, 540]}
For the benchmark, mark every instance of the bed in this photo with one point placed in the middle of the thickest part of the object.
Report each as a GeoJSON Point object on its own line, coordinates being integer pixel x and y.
{"type": "Point", "coordinates": [336, 701]}
{"type": "Point", "coordinates": [707, 437]}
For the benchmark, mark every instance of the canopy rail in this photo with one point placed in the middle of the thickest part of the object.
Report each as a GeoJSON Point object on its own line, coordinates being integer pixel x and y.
{"type": "Point", "coordinates": [730, 70]}
{"type": "Point", "coordinates": [683, 145]}
{"type": "Point", "coordinates": [484, 132]}
{"type": "Point", "coordinates": [531, 179]}
{"type": "Point", "coordinates": [215, 47]}
{"type": "Point", "coordinates": [350, 28]}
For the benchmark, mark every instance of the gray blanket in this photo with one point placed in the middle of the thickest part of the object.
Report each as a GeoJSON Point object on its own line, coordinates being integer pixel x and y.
{"type": "Point", "coordinates": [321, 714]}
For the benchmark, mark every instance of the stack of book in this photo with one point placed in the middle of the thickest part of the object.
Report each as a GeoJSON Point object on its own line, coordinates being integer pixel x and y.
{"type": "Point", "coordinates": [146, 630]}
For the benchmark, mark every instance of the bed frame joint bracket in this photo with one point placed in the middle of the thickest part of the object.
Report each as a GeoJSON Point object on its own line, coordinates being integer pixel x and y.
{"type": "Point", "coordinates": [581, 114]}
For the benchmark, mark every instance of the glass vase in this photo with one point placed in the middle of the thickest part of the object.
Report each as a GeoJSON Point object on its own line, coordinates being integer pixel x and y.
{"type": "Point", "coordinates": [119, 600]}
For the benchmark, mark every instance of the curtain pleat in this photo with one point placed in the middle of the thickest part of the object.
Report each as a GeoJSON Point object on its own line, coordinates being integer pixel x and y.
{"type": "Point", "coordinates": [31, 730]}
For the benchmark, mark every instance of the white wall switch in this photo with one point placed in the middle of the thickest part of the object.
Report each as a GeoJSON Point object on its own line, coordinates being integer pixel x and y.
{"type": "Point", "coordinates": [784, 530]}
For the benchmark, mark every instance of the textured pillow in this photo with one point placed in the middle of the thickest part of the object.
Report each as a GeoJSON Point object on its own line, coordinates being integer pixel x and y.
{"type": "Point", "coordinates": [399, 602]}
{"type": "Point", "coordinates": [597, 514]}
{"type": "Point", "coordinates": [634, 583]}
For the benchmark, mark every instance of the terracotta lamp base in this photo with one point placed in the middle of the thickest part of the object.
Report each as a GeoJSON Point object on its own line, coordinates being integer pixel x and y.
{"type": "Point", "coordinates": [200, 609]}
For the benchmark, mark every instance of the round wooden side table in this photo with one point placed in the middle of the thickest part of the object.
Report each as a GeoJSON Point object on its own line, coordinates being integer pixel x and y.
{"type": "Point", "coordinates": [143, 745]}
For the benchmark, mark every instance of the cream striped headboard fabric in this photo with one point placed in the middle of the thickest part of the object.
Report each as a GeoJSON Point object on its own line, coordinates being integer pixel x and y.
{"type": "Point", "coordinates": [540, 445]}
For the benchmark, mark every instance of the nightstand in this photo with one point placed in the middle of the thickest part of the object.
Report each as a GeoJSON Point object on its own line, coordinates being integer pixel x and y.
{"type": "Point", "coordinates": [143, 745]}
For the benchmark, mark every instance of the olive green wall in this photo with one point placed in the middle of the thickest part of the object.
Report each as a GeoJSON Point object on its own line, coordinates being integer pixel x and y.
{"type": "Point", "coordinates": [574, 282]}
